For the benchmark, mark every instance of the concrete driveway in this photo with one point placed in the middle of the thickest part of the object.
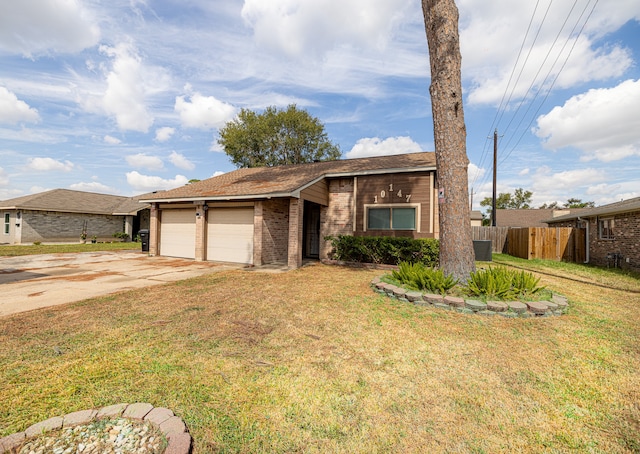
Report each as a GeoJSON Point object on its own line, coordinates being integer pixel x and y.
{"type": "Point", "coordinates": [35, 281]}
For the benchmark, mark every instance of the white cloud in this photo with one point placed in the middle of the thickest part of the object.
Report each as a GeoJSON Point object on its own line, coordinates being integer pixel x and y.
{"type": "Point", "coordinates": [128, 84]}
{"type": "Point", "coordinates": [37, 26]}
{"type": "Point", "coordinates": [148, 183]}
{"type": "Point", "coordinates": [144, 161]}
{"type": "Point", "coordinates": [163, 134]}
{"type": "Point", "coordinates": [490, 52]}
{"type": "Point", "coordinates": [524, 172]}
{"type": "Point", "coordinates": [602, 123]}
{"type": "Point", "coordinates": [475, 174]}
{"type": "Point", "coordinates": [4, 178]}
{"type": "Point", "coordinates": [111, 140]}
{"type": "Point", "coordinates": [374, 146]}
{"type": "Point", "coordinates": [13, 110]}
{"type": "Point", "coordinates": [180, 161]}
{"type": "Point", "coordinates": [6, 194]}
{"type": "Point", "coordinates": [299, 28]}
{"type": "Point", "coordinates": [93, 186]}
{"type": "Point", "coordinates": [49, 164]}
{"type": "Point", "coordinates": [217, 173]}
{"type": "Point", "coordinates": [203, 112]}
{"type": "Point", "coordinates": [566, 183]}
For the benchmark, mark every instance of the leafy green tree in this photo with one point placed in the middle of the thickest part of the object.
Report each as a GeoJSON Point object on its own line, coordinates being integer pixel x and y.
{"type": "Point", "coordinates": [571, 203]}
{"type": "Point", "coordinates": [578, 203]}
{"type": "Point", "coordinates": [276, 137]}
{"type": "Point", "coordinates": [520, 200]}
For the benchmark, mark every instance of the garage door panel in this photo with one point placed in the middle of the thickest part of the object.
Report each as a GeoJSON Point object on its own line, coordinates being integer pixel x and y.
{"type": "Point", "coordinates": [230, 235]}
{"type": "Point", "coordinates": [178, 233]}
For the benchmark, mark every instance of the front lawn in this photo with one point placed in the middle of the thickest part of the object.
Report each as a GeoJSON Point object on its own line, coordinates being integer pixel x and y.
{"type": "Point", "coordinates": [314, 361]}
{"type": "Point", "coordinates": [32, 249]}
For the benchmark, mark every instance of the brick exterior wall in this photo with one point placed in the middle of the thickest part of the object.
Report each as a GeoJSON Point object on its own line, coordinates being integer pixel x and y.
{"type": "Point", "coordinates": [67, 227]}
{"type": "Point", "coordinates": [201, 237]}
{"type": "Point", "coordinates": [275, 231]}
{"type": "Point", "coordinates": [294, 246]}
{"type": "Point", "coordinates": [626, 240]}
{"type": "Point", "coordinates": [336, 218]}
{"type": "Point", "coordinates": [154, 230]}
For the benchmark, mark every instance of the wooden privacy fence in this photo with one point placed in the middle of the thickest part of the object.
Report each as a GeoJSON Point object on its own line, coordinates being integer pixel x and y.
{"type": "Point", "coordinates": [497, 235]}
{"type": "Point", "coordinates": [550, 243]}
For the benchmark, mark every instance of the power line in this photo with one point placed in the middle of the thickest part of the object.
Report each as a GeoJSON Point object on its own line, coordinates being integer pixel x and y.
{"type": "Point", "coordinates": [502, 109]}
{"type": "Point", "coordinates": [506, 89]}
{"type": "Point", "coordinates": [534, 116]}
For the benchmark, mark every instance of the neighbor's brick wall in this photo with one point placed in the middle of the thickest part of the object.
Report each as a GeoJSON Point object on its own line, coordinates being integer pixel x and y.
{"type": "Point", "coordinates": [626, 240]}
{"type": "Point", "coordinates": [336, 218]}
{"type": "Point", "coordinates": [275, 230]}
{"type": "Point", "coordinates": [67, 227]}
{"type": "Point", "coordinates": [626, 232]}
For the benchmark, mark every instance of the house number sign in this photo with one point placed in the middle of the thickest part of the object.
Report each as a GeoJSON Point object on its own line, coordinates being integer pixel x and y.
{"type": "Point", "coordinates": [391, 194]}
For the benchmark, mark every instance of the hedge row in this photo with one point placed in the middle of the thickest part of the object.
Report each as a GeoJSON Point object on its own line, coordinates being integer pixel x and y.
{"type": "Point", "coordinates": [384, 249]}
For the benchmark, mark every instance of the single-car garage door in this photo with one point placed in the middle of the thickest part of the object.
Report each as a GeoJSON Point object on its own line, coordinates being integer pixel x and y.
{"type": "Point", "coordinates": [230, 235]}
{"type": "Point", "coordinates": [178, 233]}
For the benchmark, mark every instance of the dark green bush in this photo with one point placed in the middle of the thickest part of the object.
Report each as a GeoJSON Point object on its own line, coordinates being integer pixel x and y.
{"type": "Point", "coordinates": [502, 283]}
{"type": "Point", "coordinates": [417, 276]}
{"type": "Point", "coordinates": [384, 249]}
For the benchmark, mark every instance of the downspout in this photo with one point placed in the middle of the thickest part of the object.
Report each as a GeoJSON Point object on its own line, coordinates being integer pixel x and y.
{"type": "Point", "coordinates": [586, 256]}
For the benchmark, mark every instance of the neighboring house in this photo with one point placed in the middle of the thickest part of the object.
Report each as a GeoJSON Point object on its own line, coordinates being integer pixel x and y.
{"type": "Point", "coordinates": [536, 217]}
{"type": "Point", "coordinates": [476, 218]}
{"type": "Point", "coordinates": [60, 215]}
{"type": "Point", "coordinates": [612, 233]}
{"type": "Point", "coordinates": [283, 214]}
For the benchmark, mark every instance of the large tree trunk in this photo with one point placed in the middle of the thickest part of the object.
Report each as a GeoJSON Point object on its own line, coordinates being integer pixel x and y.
{"type": "Point", "coordinates": [456, 245]}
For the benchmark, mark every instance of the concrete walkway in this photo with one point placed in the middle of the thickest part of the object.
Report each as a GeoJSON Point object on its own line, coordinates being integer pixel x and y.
{"type": "Point", "coordinates": [35, 281]}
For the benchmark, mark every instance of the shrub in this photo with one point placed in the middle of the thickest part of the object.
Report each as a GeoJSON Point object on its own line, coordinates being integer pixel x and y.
{"type": "Point", "coordinates": [123, 236]}
{"type": "Point", "coordinates": [420, 277]}
{"type": "Point", "coordinates": [384, 249]}
{"type": "Point", "coordinates": [502, 283]}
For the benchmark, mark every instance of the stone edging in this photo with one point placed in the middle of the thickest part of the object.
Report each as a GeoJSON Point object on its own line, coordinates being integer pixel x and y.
{"type": "Point", "coordinates": [173, 428]}
{"type": "Point", "coordinates": [511, 309]}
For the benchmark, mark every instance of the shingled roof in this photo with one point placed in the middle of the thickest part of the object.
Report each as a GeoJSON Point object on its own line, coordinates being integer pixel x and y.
{"type": "Point", "coordinates": [69, 201]}
{"type": "Point", "coordinates": [287, 181]}
{"type": "Point", "coordinates": [624, 206]}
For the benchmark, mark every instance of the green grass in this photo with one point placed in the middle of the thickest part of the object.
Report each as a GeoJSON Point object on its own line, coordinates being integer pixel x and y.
{"type": "Point", "coordinates": [314, 361]}
{"type": "Point", "coordinates": [32, 249]}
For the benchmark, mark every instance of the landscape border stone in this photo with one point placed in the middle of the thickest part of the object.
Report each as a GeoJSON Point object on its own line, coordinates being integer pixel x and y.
{"type": "Point", "coordinates": [172, 426]}
{"type": "Point", "coordinates": [508, 309]}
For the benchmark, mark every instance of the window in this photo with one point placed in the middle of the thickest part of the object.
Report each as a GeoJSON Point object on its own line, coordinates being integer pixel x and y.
{"type": "Point", "coordinates": [7, 220]}
{"type": "Point", "coordinates": [391, 218]}
{"type": "Point", "coordinates": [605, 228]}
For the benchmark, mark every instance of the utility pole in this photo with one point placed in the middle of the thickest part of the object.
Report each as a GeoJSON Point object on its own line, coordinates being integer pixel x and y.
{"type": "Point", "coordinates": [495, 173]}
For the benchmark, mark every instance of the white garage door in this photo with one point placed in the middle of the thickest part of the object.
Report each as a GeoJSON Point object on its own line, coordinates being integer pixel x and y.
{"type": "Point", "coordinates": [230, 235]}
{"type": "Point", "coordinates": [178, 233]}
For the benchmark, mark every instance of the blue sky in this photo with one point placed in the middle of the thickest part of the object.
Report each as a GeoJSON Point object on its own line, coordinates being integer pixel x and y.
{"type": "Point", "coordinates": [127, 96]}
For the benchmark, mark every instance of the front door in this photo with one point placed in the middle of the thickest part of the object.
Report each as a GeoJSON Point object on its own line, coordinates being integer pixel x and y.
{"type": "Point", "coordinates": [311, 230]}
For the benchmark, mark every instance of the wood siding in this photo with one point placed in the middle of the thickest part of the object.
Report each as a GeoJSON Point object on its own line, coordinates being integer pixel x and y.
{"type": "Point", "coordinates": [394, 189]}
{"type": "Point", "coordinates": [317, 193]}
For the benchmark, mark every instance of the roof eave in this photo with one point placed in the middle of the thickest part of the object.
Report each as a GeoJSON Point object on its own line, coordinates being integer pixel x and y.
{"type": "Point", "coordinates": [296, 192]}
{"type": "Point", "coordinates": [224, 198]}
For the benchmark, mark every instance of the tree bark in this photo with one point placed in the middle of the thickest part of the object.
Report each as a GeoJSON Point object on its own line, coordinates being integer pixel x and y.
{"type": "Point", "coordinates": [456, 245]}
